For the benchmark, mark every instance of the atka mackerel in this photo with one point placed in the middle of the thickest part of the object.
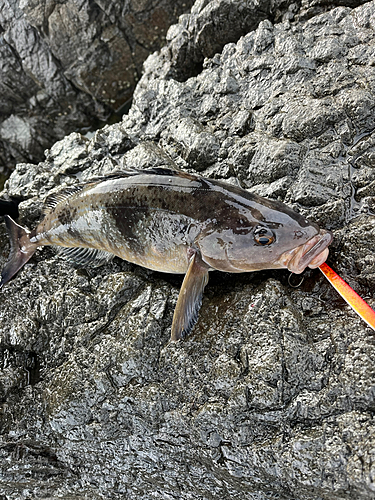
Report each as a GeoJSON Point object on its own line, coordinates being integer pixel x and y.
{"type": "Point", "coordinates": [173, 222]}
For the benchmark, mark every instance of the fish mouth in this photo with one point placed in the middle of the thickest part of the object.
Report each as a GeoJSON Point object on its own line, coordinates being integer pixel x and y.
{"type": "Point", "coordinates": [311, 254]}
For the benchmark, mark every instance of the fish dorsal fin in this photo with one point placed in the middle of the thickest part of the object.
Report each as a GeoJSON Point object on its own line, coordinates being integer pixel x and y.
{"type": "Point", "coordinates": [116, 174]}
{"type": "Point", "coordinates": [190, 298]}
{"type": "Point", "coordinates": [161, 171]}
{"type": "Point", "coordinates": [63, 194]}
{"type": "Point", "coordinates": [53, 199]}
{"type": "Point", "coordinates": [131, 172]}
{"type": "Point", "coordinates": [82, 257]}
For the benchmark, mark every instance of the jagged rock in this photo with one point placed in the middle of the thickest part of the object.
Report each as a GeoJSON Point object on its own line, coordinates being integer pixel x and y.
{"type": "Point", "coordinates": [66, 65]}
{"type": "Point", "coordinates": [272, 394]}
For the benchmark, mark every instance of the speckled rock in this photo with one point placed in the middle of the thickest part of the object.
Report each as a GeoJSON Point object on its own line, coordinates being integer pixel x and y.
{"type": "Point", "coordinates": [67, 65]}
{"type": "Point", "coordinates": [272, 395]}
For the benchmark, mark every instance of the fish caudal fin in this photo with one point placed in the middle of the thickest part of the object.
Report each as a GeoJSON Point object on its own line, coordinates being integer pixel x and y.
{"type": "Point", "coordinates": [21, 249]}
{"type": "Point", "coordinates": [190, 298]}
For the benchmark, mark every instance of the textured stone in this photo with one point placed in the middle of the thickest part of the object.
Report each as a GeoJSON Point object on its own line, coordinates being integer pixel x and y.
{"type": "Point", "coordinates": [272, 395]}
{"type": "Point", "coordinates": [68, 65]}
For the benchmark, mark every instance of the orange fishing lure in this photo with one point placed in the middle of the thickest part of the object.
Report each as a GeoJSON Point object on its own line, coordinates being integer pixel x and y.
{"type": "Point", "coordinates": [349, 295]}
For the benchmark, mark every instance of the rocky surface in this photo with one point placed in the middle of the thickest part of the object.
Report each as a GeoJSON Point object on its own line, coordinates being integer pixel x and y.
{"type": "Point", "coordinates": [66, 65]}
{"type": "Point", "coordinates": [272, 395]}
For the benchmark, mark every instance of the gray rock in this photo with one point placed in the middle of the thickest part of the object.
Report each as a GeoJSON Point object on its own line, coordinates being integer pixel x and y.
{"type": "Point", "coordinates": [272, 395]}
{"type": "Point", "coordinates": [67, 65]}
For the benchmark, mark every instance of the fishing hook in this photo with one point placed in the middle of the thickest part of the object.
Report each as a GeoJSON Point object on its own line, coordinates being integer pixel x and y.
{"type": "Point", "coordinates": [291, 284]}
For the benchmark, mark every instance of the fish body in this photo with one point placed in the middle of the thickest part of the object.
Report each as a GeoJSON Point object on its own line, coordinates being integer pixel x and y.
{"type": "Point", "coordinates": [172, 222]}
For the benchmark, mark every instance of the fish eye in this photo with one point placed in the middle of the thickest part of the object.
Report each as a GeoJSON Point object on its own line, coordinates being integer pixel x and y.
{"type": "Point", "coordinates": [263, 236]}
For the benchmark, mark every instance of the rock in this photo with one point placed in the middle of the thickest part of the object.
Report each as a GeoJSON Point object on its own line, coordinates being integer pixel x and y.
{"type": "Point", "coordinates": [66, 66]}
{"type": "Point", "coordinates": [271, 396]}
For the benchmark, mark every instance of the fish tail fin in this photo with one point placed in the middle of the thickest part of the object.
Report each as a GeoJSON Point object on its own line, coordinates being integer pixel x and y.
{"type": "Point", "coordinates": [21, 249]}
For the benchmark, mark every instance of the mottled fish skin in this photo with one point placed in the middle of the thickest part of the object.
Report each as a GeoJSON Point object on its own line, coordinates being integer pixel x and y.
{"type": "Point", "coordinates": [152, 218]}
{"type": "Point", "coordinates": [135, 218]}
{"type": "Point", "coordinates": [173, 222]}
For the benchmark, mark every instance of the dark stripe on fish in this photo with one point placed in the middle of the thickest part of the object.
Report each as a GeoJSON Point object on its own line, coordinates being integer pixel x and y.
{"type": "Point", "coordinates": [128, 221]}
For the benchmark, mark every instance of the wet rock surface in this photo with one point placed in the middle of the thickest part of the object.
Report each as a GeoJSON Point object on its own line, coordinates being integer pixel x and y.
{"type": "Point", "coordinates": [272, 395]}
{"type": "Point", "coordinates": [67, 65]}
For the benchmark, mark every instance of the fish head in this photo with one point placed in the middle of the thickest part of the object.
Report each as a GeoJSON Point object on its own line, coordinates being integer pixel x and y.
{"type": "Point", "coordinates": [270, 235]}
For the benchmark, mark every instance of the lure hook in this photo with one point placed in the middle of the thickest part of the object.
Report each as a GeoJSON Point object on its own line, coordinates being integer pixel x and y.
{"type": "Point", "coordinates": [291, 284]}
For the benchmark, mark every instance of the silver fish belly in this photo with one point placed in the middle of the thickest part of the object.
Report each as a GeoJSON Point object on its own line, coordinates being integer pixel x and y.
{"type": "Point", "coordinates": [172, 222]}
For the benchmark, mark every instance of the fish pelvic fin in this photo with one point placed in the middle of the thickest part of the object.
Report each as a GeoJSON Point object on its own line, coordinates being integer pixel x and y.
{"type": "Point", "coordinates": [21, 249]}
{"type": "Point", "coordinates": [190, 298]}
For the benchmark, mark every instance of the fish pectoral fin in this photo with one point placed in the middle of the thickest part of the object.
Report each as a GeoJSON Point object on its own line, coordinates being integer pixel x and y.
{"type": "Point", "coordinates": [81, 257]}
{"type": "Point", "coordinates": [190, 298]}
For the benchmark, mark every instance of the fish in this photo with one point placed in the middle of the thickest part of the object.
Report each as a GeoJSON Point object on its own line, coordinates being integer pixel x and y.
{"type": "Point", "coordinates": [174, 222]}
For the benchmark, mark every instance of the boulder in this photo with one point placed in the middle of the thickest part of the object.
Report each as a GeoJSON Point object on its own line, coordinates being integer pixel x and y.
{"type": "Point", "coordinates": [272, 394]}
{"type": "Point", "coordinates": [68, 65]}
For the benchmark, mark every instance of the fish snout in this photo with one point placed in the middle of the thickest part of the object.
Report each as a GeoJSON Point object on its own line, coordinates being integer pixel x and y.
{"type": "Point", "coordinates": [311, 254]}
